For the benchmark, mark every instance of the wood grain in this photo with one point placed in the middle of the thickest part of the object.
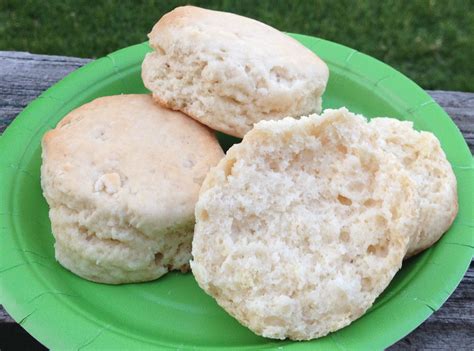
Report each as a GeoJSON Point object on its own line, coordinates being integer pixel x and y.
{"type": "Point", "coordinates": [24, 76]}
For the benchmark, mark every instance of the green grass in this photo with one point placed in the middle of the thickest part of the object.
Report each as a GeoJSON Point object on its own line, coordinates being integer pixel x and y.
{"type": "Point", "coordinates": [432, 42]}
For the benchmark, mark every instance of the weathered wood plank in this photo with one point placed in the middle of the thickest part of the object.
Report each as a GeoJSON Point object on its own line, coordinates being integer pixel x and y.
{"type": "Point", "coordinates": [24, 76]}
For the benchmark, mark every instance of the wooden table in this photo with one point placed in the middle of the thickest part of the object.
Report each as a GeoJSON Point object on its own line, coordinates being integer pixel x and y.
{"type": "Point", "coordinates": [24, 76]}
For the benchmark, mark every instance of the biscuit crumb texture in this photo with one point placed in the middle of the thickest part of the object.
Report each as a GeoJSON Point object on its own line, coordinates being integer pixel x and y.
{"type": "Point", "coordinates": [422, 156]}
{"type": "Point", "coordinates": [121, 176]}
{"type": "Point", "coordinates": [303, 224]}
{"type": "Point", "coordinates": [229, 71]}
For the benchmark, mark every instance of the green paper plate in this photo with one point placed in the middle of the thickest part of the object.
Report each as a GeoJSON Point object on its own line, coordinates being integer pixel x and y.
{"type": "Point", "coordinates": [66, 312]}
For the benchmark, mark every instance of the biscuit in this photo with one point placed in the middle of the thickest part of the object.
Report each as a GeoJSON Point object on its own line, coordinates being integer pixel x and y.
{"type": "Point", "coordinates": [303, 224]}
{"type": "Point", "coordinates": [121, 176]}
{"type": "Point", "coordinates": [421, 154]}
{"type": "Point", "coordinates": [229, 71]}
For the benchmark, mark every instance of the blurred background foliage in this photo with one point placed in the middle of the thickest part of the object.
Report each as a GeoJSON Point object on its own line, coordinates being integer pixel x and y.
{"type": "Point", "coordinates": [432, 42]}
